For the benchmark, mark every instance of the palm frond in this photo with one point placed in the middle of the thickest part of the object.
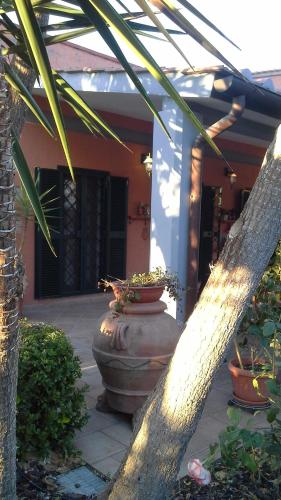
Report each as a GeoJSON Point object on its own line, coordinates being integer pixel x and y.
{"type": "Point", "coordinates": [111, 16]}
{"type": "Point", "coordinates": [30, 189]}
{"type": "Point", "coordinates": [80, 17]}
{"type": "Point", "coordinates": [38, 53]}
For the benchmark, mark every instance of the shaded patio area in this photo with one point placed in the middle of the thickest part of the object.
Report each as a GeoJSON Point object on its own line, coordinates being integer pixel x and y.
{"type": "Point", "coordinates": [105, 438]}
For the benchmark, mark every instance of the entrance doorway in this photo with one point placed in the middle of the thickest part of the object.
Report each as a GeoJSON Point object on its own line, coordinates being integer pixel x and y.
{"type": "Point", "coordinates": [88, 221]}
{"type": "Point", "coordinates": [209, 231]}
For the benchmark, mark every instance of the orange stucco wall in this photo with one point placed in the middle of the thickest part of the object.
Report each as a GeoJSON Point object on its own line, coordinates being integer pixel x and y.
{"type": "Point", "coordinates": [93, 153]}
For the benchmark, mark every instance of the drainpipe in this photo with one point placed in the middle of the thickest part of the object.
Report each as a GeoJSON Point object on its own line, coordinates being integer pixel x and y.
{"type": "Point", "coordinates": [237, 108]}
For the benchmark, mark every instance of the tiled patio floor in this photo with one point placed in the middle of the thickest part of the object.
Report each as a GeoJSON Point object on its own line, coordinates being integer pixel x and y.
{"type": "Point", "coordinates": [105, 438]}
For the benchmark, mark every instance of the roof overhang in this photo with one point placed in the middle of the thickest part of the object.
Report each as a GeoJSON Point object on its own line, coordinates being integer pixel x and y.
{"type": "Point", "coordinates": [114, 92]}
{"type": "Point", "coordinates": [118, 82]}
{"type": "Point", "coordinates": [258, 99]}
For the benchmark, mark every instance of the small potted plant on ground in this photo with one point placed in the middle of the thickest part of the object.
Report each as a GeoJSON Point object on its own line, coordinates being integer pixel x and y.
{"type": "Point", "coordinates": [144, 287]}
{"type": "Point", "coordinates": [258, 343]}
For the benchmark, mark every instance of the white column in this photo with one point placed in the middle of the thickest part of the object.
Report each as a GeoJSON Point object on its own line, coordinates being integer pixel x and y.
{"type": "Point", "coordinates": [169, 198]}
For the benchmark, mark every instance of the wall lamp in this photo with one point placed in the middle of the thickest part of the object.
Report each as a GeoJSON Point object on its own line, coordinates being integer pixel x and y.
{"type": "Point", "coordinates": [146, 161]}
{"type": "Point", "coordinates": [228, 172]}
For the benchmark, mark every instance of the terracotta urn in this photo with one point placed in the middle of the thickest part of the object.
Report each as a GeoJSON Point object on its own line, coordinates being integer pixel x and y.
{"type": "Point", "coordinates": [243, 390]}
{"type": "Point", "coordinates": [144, 294]}
{"type": "Point", "coordinates": [132, 349]}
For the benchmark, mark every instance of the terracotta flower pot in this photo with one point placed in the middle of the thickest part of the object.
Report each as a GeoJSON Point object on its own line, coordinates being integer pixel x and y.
{"type": "Point", "coordinates": [243, 389]}
{"type": "Point", "coordinates": [145, 294]}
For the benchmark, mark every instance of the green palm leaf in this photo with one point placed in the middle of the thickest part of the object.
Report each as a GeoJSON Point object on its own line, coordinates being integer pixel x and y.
{"type": "Point", "coordinates": [200, 16]}
{"type": "Point", "coordinates": [111, 42]}
{"type": "Point", "coordinates": [84, 22]}
{"type": "Point", "coordinates": [5, 7]}
{"type": "Point", "coordinates": [146, 27]}
{"type": "Point", "coordinates": [27, 97]}
{"type": "Point", "coordinates": [69, 35]}
{"type": "Point", "coordinates": [39, 53]}
{"type": "Point", "coordinates": [26, 47]}
{"type": "Point", "coordinates": [11, 47]}
{"type": "Point", "coordinates": [146, 8]}
{"type": "Point", "coordinates": [71, 96]}
{"type": "Point", "coordinates": [11, 27]}
{"type": "Point", "coordinates": [36, 3]}
{"type": "Point", "coordinates": [123, 5]}
{"type": "Point", "coordinates": [169, 9]}
{"type": "Point", "coordinates": [30, 188]}
{"type": "Point", "coordinates": [149, 35]}
{"type": "Point", "coordinates": [94, 129]}
{"type": "Point", "coordinates": [59, 10]}
{"type": "Point", "coordinates": [109, 14]}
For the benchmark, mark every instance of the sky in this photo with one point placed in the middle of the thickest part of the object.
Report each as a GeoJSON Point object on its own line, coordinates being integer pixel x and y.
{"type": "Point", "coordinates": [254, 25]}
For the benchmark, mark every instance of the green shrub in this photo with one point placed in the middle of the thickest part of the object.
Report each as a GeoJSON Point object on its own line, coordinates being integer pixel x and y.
{"type": "Point", "coordinates": [49, 405]}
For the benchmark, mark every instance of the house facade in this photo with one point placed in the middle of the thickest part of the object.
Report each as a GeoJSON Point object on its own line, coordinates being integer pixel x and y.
{"type": "Point", "coordinates": [116, 220]}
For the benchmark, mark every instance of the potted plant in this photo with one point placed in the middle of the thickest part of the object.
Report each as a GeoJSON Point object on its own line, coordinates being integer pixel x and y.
{"type": "Point", "coordinates": [258, 343]}
{"type": "Point", "coordinates": [135, 339]}
{"type": "Point", "coordinates": [143, 287]}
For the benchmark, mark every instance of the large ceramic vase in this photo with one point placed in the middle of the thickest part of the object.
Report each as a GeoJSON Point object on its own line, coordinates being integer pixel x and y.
{"type": "Point", "coordinates": [132, 349]}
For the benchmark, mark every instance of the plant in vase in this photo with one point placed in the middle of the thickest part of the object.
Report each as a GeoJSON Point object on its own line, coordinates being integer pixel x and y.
{"type": "Point", "coordinates": [135, 340]}
{"type": "Point", "coordinates": [143, 287]}
{"type": "Point", "coordinates": [258, 343]}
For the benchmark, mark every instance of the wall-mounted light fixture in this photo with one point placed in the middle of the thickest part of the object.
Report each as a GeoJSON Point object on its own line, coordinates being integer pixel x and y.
{"type": "Point", "coordinates": [146, 161]}
{"type": "Point", "coordinates": [228, 172]}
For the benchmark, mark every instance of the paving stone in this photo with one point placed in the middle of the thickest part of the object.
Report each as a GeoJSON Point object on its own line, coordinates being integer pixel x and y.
{"type": "Point", "coordinates": [108, 466]}
{"type": "Point", "coordinates": [206, 433]}
{"type": "Point", "coordinates": [91, 374]}
{"type": "Point", "coordinates": [93, 395]}
{"type": "Point", "coordinates": [121, 432]}
{"type": "Point", "coordinates": [97, 446]}
{"type": "Point", "coordinates": [97, 421]}
{"type": "Point", "coordinates": [90, 402]}
{"type": "Point", "coordinates": [119, 456]}
{"type": "Point", "coordinates": [217, 401]}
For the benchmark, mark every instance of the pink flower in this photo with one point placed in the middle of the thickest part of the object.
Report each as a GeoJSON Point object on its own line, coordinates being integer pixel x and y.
{"type": "Point", "coordinates": [196, 471]}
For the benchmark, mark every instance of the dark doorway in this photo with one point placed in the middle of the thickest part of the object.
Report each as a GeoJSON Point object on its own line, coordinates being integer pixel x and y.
{"type": "Point", "coordinates": [118, 207]}
{"type": "Point", "coordinates": [209, 231]}
{"type": "Point", "coordinates": [81, 223]}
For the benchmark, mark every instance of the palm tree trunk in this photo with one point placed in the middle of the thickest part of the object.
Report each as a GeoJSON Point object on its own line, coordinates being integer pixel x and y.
{"type": "Point", "coordinates": [27, 76]}
{"type": "Point", "coordinates": [12, 115]}
{"type": "Point", "coordinates": [171, 414]}
{"type": "Point", "coordinates": [8, 303]}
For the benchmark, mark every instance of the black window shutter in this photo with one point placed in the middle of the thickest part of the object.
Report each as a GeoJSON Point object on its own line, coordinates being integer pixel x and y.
{"type": "Point", "coordinates": [47, 272]}
{"type": "Point", "coordinates": [118, 227]}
